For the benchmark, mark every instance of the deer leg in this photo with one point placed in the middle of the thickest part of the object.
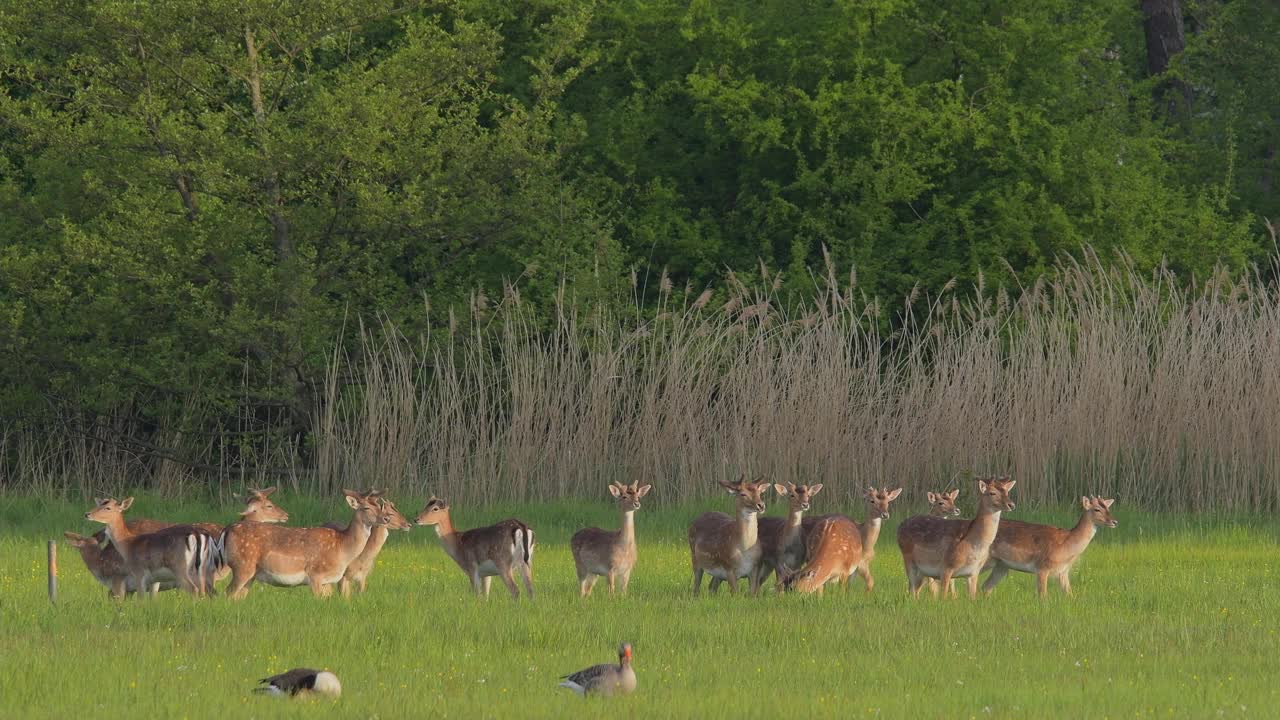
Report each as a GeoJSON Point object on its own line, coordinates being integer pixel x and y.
{"type": "Point", "coordinates": [613, 584]}
{"type": "Point", "coordinates": [344, 587]}
{"type": "Point", "coordinates": [318, 588]}
{"type": "Point", "coordinates": [1042, 583]}
{"type": "Point", "coordinates": [867, 577]}
{"type": "Point", "coordinates": [625, 579]}
{"type": "Point", "coordinates": [997, 574]}
{"type": "Point", "coordinates": [526, 577]}
{"type": "Point", "coordinates": [713, 586]}
{"type": "Point", "coordinates": [509, 579]}
{"type": "Point", "coordinates": [585, 585]}
{"type": "Point", "coordinates": [240, 582]}
{"type": "Point", "coordinates": [118, 588]}
{"type": "Point", "coordinates": [1064, 579]}
{"type": "Point", "coordinates": [973, 585]}
{"type": "Point", "coordinates": [364, 582]}
{"type": "Point", "coordinates": [697, 581]}
{"type": "Point", "coordinates": [733, 584]}
{"type": "Point", "coordinates": [948, 590]}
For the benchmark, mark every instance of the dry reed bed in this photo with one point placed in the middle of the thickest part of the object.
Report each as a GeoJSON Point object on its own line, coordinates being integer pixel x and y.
{"type": "Point", "coordinates": [1101, 380]}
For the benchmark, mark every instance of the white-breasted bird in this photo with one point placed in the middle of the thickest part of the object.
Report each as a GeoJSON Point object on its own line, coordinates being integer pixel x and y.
{"type": "Point", "coordinates": [301, 681]}
{"type": "Point", "coordinates": [605, 679]}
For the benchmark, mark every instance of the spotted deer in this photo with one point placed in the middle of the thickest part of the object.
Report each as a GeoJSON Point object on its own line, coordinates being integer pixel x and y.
{"type": "Point", "coordinates": [147, 557]}
{"type": "Point", "coordinates": [833, 549]}
{"type": "Point", "coordinates": [781, 539]}
{"type": "Point", "coordinates": [942, 548]}
{"type": "Point", "coordinates": [728, 548]}
{"type": "Point", "coordinates": [291, 556]}
{"type": "Point", "coordinates": [484, 552]}
{"type": "Point", "coordinates": [864, 551]}
{"type": "Point", "coordinates": [1045, 550]}
{"type": "Point", "coordinates": [609, 553]}
{"type": "Point", "coordinates": [108, 568]}
{"type": "Point", "coordinates": [357, 573]}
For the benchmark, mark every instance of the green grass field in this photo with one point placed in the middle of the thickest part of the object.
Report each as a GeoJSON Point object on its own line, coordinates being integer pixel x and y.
{"type": "Point", "coordinates": [1172, 617]}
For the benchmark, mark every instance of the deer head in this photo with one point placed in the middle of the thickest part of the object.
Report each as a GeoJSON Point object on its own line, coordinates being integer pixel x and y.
{"type": "Point", "coordinates": [798, 496]}
{"type": "Point", "coordinates": [944, 504]}
{"type": "Point", "coordinates": [107, 508]}
{"type": "Point", "coordinates": [749, 495]}
{"type": "Point", "coordinates": [994, 493]}
{"type": "Point", "coordinates": [433, 512]}
{"type": "Point", "coordinates": [1099, 510]}
{"type": "Point", "coordinates": [878, 502]}
{"type": "Point", "coordinates": [628, 496]}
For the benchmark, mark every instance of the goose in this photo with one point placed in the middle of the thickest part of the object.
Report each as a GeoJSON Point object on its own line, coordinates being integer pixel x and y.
{"type": "Point", "coordinates": [301, 681]}
{"type": "Point", "coordinates": [605, 679]}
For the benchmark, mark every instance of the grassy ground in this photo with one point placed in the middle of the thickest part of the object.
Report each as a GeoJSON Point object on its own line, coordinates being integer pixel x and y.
{"type": "Point", "coordinates": [1172, 618]}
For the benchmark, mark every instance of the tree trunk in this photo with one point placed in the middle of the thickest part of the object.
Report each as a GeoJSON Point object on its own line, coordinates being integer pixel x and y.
{"type": "Point", "coordinates": [1162, 20]}
{"type": "Point", "coordinates": [279, 224]}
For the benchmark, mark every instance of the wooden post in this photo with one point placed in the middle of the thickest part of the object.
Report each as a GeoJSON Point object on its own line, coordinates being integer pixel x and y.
{"type": "Point", "coordinates": [53, 572]}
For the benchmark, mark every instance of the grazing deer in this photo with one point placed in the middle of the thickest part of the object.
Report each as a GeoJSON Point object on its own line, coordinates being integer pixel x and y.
{"type": "Point", "coordinates": [1045, 550]}
{"type": "Point", "coordinates": [942, 548]}
{"type": "Point", "coordinates": [728, 548]}
{"type": "Point", "coordinates": [486, 551]}
{"type": "Point", "coordinates": [359, 569]}
{"type": "Point", "coordinates": [288, 556]}
{"type": "Point", "coordinates": [147, 557]}
{"type": "Point", "coordinates": [781, 539]}
{"type": "Point", "coordinates": [609, 553]}
{"type": "Point", "coordinates": [833, 549]}
{"type": "Point", "coordinates": [858, 555]}
{"type": "Point", "coordinates": [107, 567]}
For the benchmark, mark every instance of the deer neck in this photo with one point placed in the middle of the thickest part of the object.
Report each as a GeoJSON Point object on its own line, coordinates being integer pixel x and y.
{"type": "Point", "coordinates": [449, 538]}
{"type": "Point", "coordinates": [119, 534]}
{"type": "Point", "coordinates": [1081, 535]}
{"type": "Point", "coordinates": [982, 529]}
{"type": "Point", "coordinates": [377, 537]}
{"type": "Point", "coordinates": [356, 536]}
{"type": "Point", "coordinates": [627, 535]}
{"type": "Point", "coordinates": [748, 528]}
{"type": "Point", "coordinates": [870, 531]}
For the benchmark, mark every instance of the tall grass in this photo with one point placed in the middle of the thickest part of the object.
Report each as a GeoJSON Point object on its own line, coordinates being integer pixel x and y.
{"type": "Point", "coordinates": [1100, 379]}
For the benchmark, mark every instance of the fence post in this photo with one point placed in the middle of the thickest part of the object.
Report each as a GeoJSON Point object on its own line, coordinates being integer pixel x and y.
{"type": "Point", "coordinates": [53, 572]}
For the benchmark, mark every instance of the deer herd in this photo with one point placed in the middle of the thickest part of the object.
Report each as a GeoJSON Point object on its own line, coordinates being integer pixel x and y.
{"type": "Point", "coordinates": [806, 553]}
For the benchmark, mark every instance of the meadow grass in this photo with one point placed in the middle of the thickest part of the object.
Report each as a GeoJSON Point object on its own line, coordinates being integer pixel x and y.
{"type": "Point", "coordinates": [1173, 617]}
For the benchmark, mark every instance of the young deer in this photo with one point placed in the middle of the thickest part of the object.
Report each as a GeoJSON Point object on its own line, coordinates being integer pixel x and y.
{"type": "Point", "coordinates": [728, 548]}
{"type": "Point", "coordinates": [833, 551]}
{"type": "Point", "coordinates": [1045, 550]}
{"type": "Point", "coordinates": [106, 566]}
{"type": "Point", "coordinates": [781, 539]}
{"type": "Point", "coordinates": [150, 558]}
{"type": "Point", "coordinates": [486, 551]}
{"type": "Point", "coordinates": [942, 548]}
{"type": "Point", "coordinates": [868, 532]}
{"type": "Point", "coordinates": [609, 553]}
{"type": "Point", "coordinates": [288, 557]}
{"type": "Point", "coordinates": [359, 569]}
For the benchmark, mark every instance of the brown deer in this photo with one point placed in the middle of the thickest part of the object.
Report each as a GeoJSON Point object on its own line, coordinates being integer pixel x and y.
{"type": "Point", "coordinates": [359, 569]}
{"type": "Point", "coordinates": [609, 553]}
{"type": "Point", "coordinates": [942, 548]}
{"type": "Point", "coordinates": [485, 552]}
{"type": "Point", "coordinates": [864, 551]}
{"type": "Point", "coordinates": [728, 548]}
{"type": "Point", "coordinates": [942, 505]}
{"type": "Point", "coordinates": [833, 549]}
{"type": "Point", "coordinates": [1045, 550]}
{"type": "Point", "coordinates": [781, 539]}
{"type": "Point", "coordinates": [288, 556]}
{"type": "Point", "coordinates": [151, 557]}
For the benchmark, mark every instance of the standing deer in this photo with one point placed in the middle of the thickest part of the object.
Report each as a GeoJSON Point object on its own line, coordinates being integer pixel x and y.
{"type": "Point", "coordinates": [782, 539]}
{"type": "Point", "coordinates": [728, 548]}
{"type": "Point", "coordinates": [486, 551]}
{"type": "Point", "coordinates": [359, 569]}
{"type": "Point", "coordinates": [107, 567]}
{"type": "Point", "coordinates": [174, 550]}
{"type": "Point", "coordinates": [609, 553]}
{"type": "Point", "coordinates": [853, 554]}
{"type": "Point", "coordinates": [288, 557]}
{"type": "Point", "coordinates": [1045, 550]}
{"type": "Point", "coordinates": [942, 548]}
{"type": "Point", "coordinates": [942, 505]}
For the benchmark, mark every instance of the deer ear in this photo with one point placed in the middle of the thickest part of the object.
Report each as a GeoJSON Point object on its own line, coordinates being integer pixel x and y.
{"type": "Point", "coordinates": [267, 491]}
{"type": "Point", "coordinates": [729, 485]}
{"type": "Point", "coordinates": [780, 488]}
{"type": "Point", "coordinates": [1107, 503]}
{"type": "Point", "coordinates": [815, 489]}
{"type": "Point", "coordinates": [954, 494]}
{"type": "Point", "coordinates": [354, 501]}
{"type": "Point", "coordinates": [1008, 484]}
{"type": "Point", "coordinates": [128, 502]}
{"type": "Point", "coordinates": [870, 492]}
{"type": "Point", "coordinates": [895, 494]}
{"type": "Point", "coordinates": [644, 490]}
{"type": "Point", "coordinates": [982, 486]}
{"type": "Point", "coordinates": [614, 490]}
{"type": "Point", "coordinates": [1086, 501]}
{"type": "Point", "coordinates": [932, 498]}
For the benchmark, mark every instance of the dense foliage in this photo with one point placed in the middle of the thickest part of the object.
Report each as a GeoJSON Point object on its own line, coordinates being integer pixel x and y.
{"type": "Point", "coordinates": [195, 198]}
